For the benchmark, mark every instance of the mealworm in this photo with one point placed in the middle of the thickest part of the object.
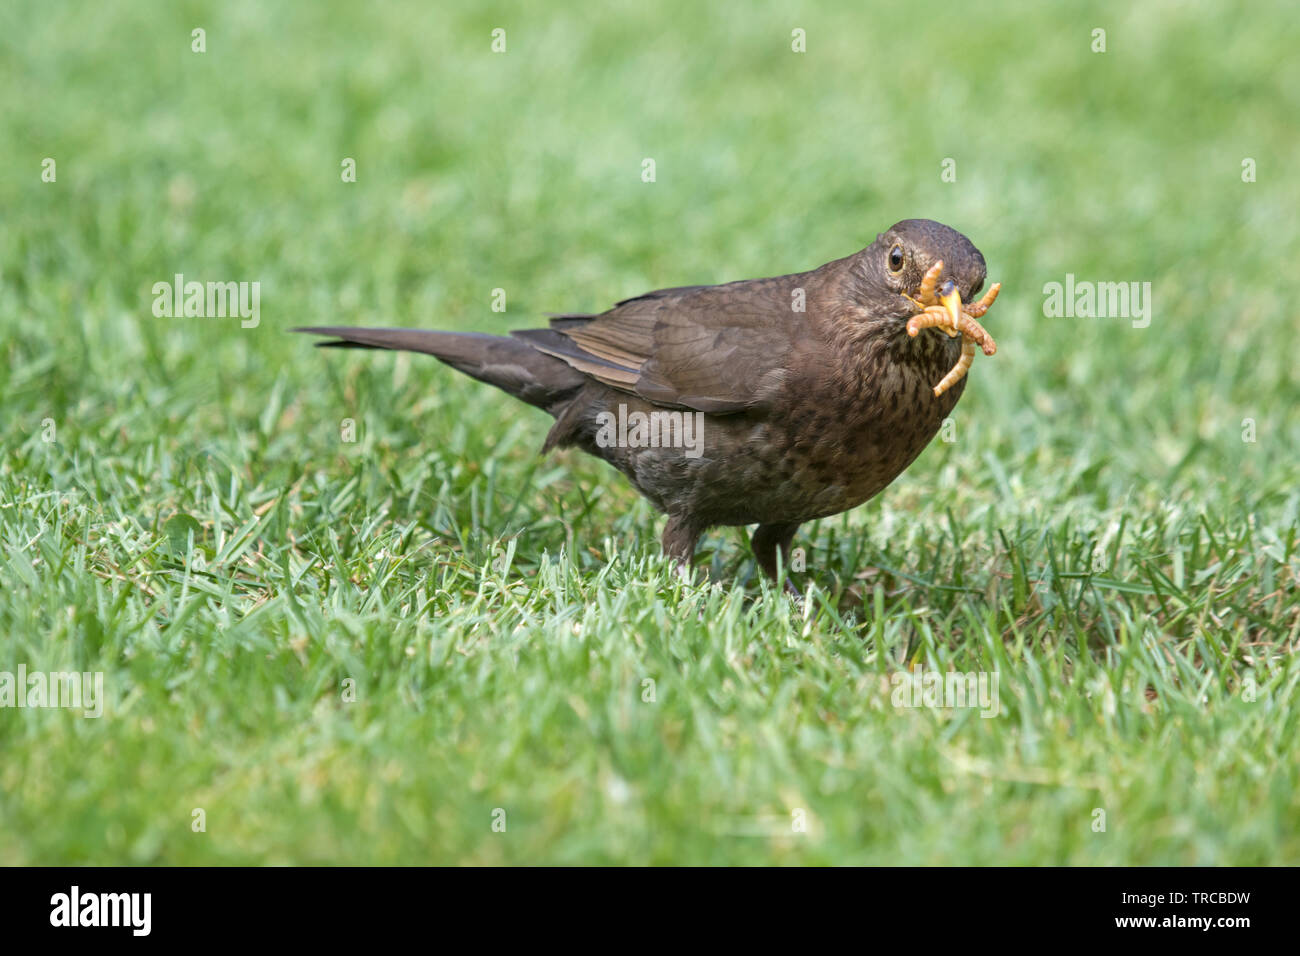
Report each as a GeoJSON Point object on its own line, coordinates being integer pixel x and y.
{"type": "Point", "coordinates": [958, 371]}
{"type": "Point", "coordinates": [936, 316]}
{"type": "Point", "coordinates": [972, 333]}
{"type": "Point", "coordinates": [976, 309]}
{"type": "Point", "coordinates": [925, 295]}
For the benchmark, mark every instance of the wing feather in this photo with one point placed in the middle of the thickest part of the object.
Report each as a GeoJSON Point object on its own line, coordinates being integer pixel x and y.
{"type": "Point", "coordinates": [719, 349]}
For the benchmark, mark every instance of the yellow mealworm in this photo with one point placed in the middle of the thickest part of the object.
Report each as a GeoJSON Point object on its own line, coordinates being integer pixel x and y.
{"type": "Point", "coordinates": [937, 316]}
{"type": "Point", "coordinates": [958, 371]}
{"type": "Point", "coordinates": [925, 295]}
{"type": "Point", "coordinates": [976, 309]}
{"type": "Point", "coordinates": [971, 331]}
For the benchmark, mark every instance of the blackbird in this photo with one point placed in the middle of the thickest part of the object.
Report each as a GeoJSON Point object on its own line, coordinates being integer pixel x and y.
{"type": "Point", "coordinates": [765, 401]}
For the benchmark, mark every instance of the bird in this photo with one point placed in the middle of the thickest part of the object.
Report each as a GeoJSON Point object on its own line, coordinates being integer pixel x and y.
{"type": "Point", "coordinates": [769, 402]}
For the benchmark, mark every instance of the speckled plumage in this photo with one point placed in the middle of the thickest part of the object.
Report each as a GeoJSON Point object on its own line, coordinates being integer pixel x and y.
{"type": "Point", "coordinates": [805, 413]}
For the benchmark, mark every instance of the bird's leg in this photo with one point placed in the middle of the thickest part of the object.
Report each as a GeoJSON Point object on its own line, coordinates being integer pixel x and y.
{"type": "Point", "coordinates": [679, 540]}
{"type": "Point", "coordinates": [767, 540]}
{"type": "Point", "coordinates": [977, 309]}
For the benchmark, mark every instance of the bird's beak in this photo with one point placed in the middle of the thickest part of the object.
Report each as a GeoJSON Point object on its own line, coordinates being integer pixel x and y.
{"type": "Point", "coordinates": [950, 298]}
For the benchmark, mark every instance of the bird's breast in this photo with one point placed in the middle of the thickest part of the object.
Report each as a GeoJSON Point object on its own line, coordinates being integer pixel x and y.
{"type": "Point", "coordinates": [846, 437]}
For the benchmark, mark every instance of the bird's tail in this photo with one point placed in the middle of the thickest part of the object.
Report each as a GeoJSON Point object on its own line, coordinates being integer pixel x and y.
{"type": "Point", "coordinates": [511, 364]}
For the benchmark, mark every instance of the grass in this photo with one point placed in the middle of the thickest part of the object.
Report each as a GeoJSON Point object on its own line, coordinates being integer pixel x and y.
{"type": "Point", "coordinates": [361, 651]}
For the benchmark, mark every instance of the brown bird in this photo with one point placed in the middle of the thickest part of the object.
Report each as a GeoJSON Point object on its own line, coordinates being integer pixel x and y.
{"type": "Point", "coordinates": [765, 401]}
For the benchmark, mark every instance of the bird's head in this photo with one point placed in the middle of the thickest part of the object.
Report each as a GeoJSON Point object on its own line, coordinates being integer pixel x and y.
{"type": "Point", "coordinates": [891, 271]}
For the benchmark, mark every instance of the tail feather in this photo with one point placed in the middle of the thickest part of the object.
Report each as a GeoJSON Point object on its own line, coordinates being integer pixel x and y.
{"type": "Point", "coordinates": [511, 364]}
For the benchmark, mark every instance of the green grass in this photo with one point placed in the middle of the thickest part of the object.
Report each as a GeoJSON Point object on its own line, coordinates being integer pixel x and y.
{"type": "Point", "coordinates": [1098, 534]}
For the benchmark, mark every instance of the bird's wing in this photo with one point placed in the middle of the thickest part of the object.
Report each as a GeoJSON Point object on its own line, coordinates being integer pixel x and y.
{"type": "Point", "coordinates": [718, 349]}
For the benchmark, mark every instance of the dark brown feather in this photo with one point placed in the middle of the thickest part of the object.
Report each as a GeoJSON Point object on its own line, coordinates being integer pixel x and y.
{"type": "Point", "coordinates": [812, 396]}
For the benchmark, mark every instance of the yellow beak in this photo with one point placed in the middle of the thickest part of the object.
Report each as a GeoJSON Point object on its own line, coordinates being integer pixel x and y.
{"type": "Point", "coordinates": [952, 302]}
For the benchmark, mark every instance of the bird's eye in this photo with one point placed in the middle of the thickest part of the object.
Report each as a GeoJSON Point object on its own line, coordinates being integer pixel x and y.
{"type": "Point", "coordinates": [896, 259]}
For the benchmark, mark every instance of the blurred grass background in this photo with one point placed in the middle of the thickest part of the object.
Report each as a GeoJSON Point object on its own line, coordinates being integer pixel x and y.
{"type": "Point", "coordinates": [1099, 533]}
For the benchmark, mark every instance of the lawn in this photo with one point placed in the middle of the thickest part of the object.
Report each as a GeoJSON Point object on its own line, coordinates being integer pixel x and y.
{"type": "Point", "coordinates": [343, 611]}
